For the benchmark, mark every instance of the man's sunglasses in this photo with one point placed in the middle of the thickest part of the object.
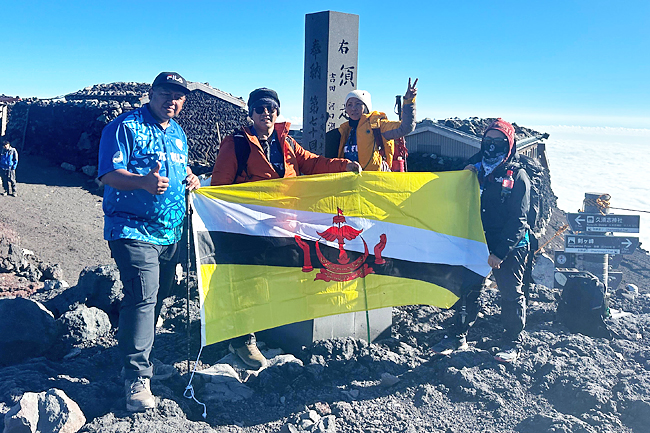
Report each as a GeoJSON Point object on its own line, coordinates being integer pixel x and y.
{"type": "Point", "coordinates": [260, 109]}
{"type": "Point", "coordinates": [497, 142]}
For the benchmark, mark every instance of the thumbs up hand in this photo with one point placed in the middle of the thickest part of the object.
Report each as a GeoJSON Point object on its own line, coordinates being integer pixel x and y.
{"type": "Point", "coordinates": [154, 183]}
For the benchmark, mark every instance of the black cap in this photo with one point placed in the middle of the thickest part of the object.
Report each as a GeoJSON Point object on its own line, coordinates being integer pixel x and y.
{"type": "Point", "coordinates": [262, 93]}
{"type": "Point", "coordinates": [171, 79]}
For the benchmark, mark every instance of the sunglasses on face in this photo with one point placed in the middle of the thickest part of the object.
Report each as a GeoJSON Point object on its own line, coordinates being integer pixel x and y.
{"type": "Point", "coordinates": [260, 109]}
{"type": "Point", "coordinates": [497, 142]}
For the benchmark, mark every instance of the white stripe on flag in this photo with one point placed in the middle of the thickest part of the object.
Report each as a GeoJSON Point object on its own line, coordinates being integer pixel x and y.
{"type": "Point", "coordinates": [403, 242]}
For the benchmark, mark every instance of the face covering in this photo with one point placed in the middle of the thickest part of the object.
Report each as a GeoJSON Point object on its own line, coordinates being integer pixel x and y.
{"type": "Point", "coordinates": [489, 164]}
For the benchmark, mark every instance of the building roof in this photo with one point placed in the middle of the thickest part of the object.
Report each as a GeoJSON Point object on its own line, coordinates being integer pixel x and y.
{"type": "Point", "coordinates": [217, 93]}
{"type": "Point", "coordinates": [470, 139]}
{"type": "Point", "coordinates": [452, 133]}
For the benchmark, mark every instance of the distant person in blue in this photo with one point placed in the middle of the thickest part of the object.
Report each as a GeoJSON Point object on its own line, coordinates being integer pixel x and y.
{"type": "Point", "coordinates": [143, 163]}
{"type": "Point", "coordinates": [8, 164]}
{"type": "Point", "coordinates": [505, 201]}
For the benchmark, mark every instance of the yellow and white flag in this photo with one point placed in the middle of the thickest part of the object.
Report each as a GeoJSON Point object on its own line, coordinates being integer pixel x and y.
{"type": "Point", "coordinates": [281, 251]}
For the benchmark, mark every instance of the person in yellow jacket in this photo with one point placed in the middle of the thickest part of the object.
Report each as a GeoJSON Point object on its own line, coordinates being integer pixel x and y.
{"type": "Point", "coordinates": [358, 141]}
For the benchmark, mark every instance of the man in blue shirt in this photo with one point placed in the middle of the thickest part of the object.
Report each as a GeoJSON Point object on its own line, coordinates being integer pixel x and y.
{"type": "Point", "coordinates": [8, 164]}
{"type": "Point", "coordinates": [143, 163]}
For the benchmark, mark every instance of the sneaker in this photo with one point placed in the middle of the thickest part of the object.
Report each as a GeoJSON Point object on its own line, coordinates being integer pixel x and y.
{"type": "Point", "coordinates": [138, 395]}
{"type": "Point", "coordinates": [4, 193]}
{"type": "Point", "coordinates": [507, 355]}
{"type": "Point", "coordinates": [449, 345]}
{"type": "Point", "coordinates": [249, 354]}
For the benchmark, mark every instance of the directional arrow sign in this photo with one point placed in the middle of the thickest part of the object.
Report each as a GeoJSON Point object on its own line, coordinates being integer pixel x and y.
{"type": "Point", "coordinates": [588, 222]}
{"type": "Point", "coordinates": [595, 244]}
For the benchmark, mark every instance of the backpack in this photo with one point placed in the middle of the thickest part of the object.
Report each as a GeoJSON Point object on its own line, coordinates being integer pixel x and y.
{"type": "Point", "coordinates": [537, 210]}
{"type": "Point", "coordinates": [243, 151]}
{"type": "Point", "coordinates": [583, 305]}
{"type": "Point", "coordinates": [540, 209]}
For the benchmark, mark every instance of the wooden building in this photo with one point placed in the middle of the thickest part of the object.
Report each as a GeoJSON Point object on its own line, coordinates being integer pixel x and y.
{"type": "Point", "coordinates": [434, 138]}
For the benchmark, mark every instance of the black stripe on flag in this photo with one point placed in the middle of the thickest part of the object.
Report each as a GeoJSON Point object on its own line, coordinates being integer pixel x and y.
{"type": "Point", "coordinates": [238, 249]}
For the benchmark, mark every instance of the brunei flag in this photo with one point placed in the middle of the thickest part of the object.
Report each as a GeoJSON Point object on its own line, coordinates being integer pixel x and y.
{"type": "Point", "coordinates": [281, 251]}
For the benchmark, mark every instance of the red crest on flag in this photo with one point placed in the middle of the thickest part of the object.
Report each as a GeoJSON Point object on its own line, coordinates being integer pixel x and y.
{"type": "Point", "coordinates": [343, 270]}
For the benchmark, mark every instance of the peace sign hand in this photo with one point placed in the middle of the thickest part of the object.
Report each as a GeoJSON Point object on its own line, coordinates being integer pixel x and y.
{"type": "Point", "coordinates": [411, 90]}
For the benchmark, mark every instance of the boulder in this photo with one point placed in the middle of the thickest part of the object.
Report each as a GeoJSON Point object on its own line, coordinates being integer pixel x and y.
{"type": "Point", "coordinates": [48, 411]}
{"type": "Point", "coordinates": [84, 142]}
{"type": "Point", "coordinates": [98, 286]}
{"type": "Point", "coordinates": [327, 424]}
{"type": "Point", "coordinates": [544, 271]}
{"type": "Point", "coordinates": [223, 384]}
{"type": "Point", "coordinates": [83, 324]}
{"type": "Point", "coordinates": [89, 170]}
{"type": "Point", "coordinates": [50, 271]}
{"type": "Point", "coordinates": [23, 417]}
{"type": "Point", "coordinates": [49, 285]}
{"type": "Point", "coordinates": [30, 271]}
{"type": "Point", "coordinates": [11, 256]}
{"type": "Point", "coordinates": [68, 166]}
{"type": "Point", "coordinates": [27, 329]}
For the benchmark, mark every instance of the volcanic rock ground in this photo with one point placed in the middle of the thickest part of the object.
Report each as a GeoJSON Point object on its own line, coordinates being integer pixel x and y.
{"type": "Point", "coordinates": [562, 382]}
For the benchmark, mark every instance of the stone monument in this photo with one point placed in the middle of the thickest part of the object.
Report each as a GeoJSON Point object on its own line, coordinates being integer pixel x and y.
{"type": "Point", "coordinates": [331, 51]}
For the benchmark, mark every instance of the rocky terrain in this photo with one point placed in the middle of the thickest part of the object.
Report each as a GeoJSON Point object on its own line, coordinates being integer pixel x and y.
{"type": "Point", "coordinates": [563, 382]}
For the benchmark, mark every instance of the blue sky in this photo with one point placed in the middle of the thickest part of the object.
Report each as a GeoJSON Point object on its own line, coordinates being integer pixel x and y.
{"type": "Point", "coordinates": [553, 62]}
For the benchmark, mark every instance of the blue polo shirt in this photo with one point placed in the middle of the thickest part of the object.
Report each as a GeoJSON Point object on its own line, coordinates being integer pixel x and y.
{"type": "Point", "coordinates": [135, 142]}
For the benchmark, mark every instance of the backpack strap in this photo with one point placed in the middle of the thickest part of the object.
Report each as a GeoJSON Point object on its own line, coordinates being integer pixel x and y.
{"type": "Point", "coordinates": [290, 141]}
{"type": "Point", "coordinates": [379, 142]}
{"type": "Point", "coordinates": [242, 152]}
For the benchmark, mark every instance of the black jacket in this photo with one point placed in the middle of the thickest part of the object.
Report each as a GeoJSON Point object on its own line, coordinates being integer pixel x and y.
{"type": "Point", "coordinates": [504, 218]}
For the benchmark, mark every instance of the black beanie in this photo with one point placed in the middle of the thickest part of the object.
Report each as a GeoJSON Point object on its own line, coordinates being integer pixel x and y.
{"type": "Point", "coordinates": [258, 95]}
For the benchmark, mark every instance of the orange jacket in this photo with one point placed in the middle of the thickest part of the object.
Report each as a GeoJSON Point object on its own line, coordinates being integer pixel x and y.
{"type": "Point", "coordinates": [297, 160]}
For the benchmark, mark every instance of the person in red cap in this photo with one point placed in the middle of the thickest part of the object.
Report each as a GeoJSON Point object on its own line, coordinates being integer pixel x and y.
{"type": "Point", "coordinates": [505, 200]}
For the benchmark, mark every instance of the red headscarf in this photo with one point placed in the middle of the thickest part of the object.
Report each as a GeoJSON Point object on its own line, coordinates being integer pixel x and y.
{"type": "Point", "coordinates": [507, 129]}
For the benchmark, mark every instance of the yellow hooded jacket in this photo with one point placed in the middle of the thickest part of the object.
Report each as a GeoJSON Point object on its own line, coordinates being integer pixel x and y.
{"type": "Point", "coordinates": [369, 156]}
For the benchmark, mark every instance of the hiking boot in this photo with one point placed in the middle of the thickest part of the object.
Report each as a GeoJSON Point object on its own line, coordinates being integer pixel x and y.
{"type": "Point", "coordinates": [249, 354]}
{"type": "Point", "coordinates": [507, 355]}
{"type": "Point", "coordinates": [138, 395]}
{"type": "Point", "coordinates": [449, 345]}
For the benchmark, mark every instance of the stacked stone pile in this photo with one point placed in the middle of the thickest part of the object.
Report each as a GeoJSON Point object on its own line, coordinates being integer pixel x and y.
{"type": "Point", "coordinates": [68, 130]}
{"type": "Point", "coordinates": [22, 272]}
{"type": "Point", "coordinates": [477, 126]}
{"type": "Point", "coordinates": [200, 116]}
{"type": "Point", "coordinates": [130, 91]}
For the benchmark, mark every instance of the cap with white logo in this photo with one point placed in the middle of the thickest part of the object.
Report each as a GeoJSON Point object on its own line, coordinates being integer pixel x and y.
{"type": "Point", "coordinates": [171, 79]}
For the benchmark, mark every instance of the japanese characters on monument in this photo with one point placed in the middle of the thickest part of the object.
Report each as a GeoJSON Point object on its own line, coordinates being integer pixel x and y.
{"type": "Point", "coordinates": [331, 51]}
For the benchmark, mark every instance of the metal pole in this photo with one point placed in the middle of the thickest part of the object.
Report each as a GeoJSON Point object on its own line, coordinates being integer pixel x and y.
{"type": "Point", "coordinates": [216, 124]}
{"type": "Point", "coordinates": [597, 264]}
{"type": "Point", "coordinates": [188, 217]}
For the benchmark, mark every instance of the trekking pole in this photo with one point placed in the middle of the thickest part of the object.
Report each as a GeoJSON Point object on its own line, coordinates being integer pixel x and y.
{"type": "Point", "coordinates": [188, 217]}
{"type": "Point", "coordinates": [398, 106]}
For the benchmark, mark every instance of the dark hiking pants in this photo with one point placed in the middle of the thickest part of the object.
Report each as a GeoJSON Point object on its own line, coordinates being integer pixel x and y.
{"type": "Point", "coordinates": [510, 281]}
{"type": "Point", "coordinates": [9, 180]}
{"type": "Point", "coordinates": [509, 278]}
{"type": "Point", "coordinates": [147, 273]}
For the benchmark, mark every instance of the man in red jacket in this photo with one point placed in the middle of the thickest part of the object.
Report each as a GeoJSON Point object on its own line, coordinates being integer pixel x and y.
{"type": "Point", "coordinates": [265, 151]}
